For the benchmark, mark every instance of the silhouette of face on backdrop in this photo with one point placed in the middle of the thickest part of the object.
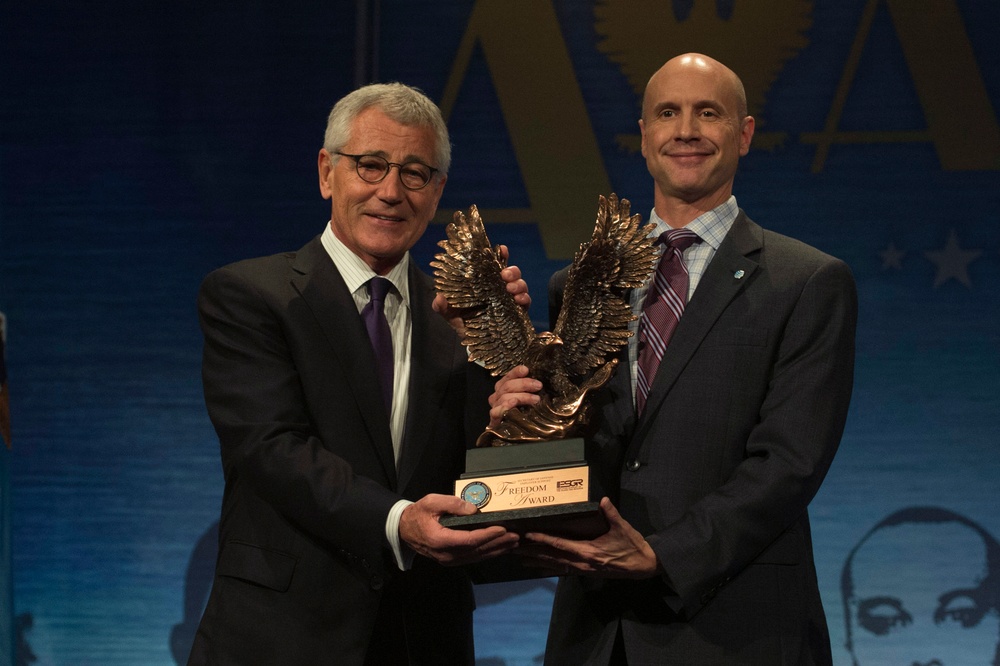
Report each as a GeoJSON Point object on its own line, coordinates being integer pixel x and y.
{"type": "Point", "coordinates": [921, 589]}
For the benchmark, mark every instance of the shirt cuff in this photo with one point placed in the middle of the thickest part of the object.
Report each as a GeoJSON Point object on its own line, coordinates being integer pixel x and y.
{"type": "Point", "coordinates": [402, 553]}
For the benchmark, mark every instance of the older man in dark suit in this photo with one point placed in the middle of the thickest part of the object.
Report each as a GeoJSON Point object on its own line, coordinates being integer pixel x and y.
{"type": "Point", "coordinates": [330, 549]}
{"type": "Point", "coordinates": [719, 426]}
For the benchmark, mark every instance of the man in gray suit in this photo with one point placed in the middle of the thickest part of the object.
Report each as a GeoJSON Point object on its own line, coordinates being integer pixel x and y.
{"type": "Point", "coordinates": [709, 557]}
{"type": "Point", "coordinates": [330, 549]}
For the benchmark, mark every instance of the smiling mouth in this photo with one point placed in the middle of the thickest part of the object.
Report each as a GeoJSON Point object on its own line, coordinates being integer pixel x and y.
{"type": "Point", "coordinates": [385, 218]}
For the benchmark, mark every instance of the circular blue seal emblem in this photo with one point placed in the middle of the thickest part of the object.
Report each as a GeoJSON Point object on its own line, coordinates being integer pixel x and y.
{"type": "Point", "coordinates": [477, 493]}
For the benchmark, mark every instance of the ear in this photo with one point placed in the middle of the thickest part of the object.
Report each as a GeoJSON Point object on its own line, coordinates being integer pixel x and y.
{"type": "Point", "coordinates": [746, 135]}
{"type": "Point", "coordinates": [642, 135]}
{"type": "Point", "coordinates": [325, 166]}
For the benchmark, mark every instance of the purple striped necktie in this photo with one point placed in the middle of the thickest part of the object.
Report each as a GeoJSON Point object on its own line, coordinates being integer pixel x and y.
{"type": "Point", "coordinates": [663, 308]}
{"type": "Point", "coordinates": [373, 315]}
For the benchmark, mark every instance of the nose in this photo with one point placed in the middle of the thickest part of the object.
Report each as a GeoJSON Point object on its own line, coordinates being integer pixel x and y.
{"type": "Point", "coordinates": [688, 127]}
{"type": "Point", "coordinates": [390, 189]}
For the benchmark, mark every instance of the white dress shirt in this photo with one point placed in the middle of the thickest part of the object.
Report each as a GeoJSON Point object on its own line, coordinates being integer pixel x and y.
{"type": "Point", "coordinates": [356, 274]}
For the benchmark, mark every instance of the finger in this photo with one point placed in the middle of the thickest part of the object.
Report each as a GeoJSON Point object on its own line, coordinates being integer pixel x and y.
{"type": "Point", "coordinates": [498, 546]}
{"type": "Point", "coordinates": [463, 508]}
{"type": "Point", "coordinates": [552, 544]}
{"type": "Point", "coordinates": [468, 542]}
{"type": "Point", "coordinates": [511, 273]}
{"type": "Point", "coordinates": [517, 372]}
{"type": "Point", "coordinates": [437, 504]}
{"type": "Point", "coordinates": [518, 385]}
{"type": "Point", "coordinates": [517, 286]}
{"type": "Point", "coordinates": [454, 554]}
{"type": "Point", "coordinates": [484, 535]}
{"type": "Point", "coordinates": [611, 514]}
{"type": "Point", "coordinates": [516, 381]}
{"type": "Point", "coordinates": [510, 402]}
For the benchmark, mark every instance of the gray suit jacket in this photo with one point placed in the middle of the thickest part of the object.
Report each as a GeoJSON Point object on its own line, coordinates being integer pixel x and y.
{"type": "Point", "coordinates": [743, 419]}
{"type": "Point", "coordinates": [304, 573]}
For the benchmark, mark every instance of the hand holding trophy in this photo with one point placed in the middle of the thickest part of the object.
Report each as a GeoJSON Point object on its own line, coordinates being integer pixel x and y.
{"type": "Point", "coordinates": [530, 471]}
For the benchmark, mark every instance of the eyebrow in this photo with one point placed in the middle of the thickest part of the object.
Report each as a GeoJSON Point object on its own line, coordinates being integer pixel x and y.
{"type": "Point", "coordinates": [700, 104]}
{"type": "Point", "coordinates": [406, 160]}
{"type": "Point", "coordinates": [864, 603]}
{"type": "Point", "coordinates": [974, 593]}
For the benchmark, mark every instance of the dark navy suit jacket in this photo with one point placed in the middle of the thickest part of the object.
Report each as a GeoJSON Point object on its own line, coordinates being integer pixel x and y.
{"type": "Point", "coordinates": [743, 419]}
{"type": "Point", "coordinates": [304, 567]}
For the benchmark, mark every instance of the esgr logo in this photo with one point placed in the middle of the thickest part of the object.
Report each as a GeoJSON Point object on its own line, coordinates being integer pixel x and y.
{"type": "Point", "coordinates": [570, 484]}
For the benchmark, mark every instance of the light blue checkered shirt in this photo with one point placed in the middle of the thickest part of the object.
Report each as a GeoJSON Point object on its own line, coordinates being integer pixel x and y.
{"type": "Point", "coordinates": [711, 227]}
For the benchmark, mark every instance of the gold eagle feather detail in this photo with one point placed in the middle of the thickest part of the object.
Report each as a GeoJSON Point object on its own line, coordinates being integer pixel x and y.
{"type": "Point", "coordinates": [591, 328]}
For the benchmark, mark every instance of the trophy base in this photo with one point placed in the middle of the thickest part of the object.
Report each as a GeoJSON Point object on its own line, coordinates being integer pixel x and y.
{"type": "Point", "coordinates": [579, 520]}
{"type": "Point", "coordinates": [539, 487]}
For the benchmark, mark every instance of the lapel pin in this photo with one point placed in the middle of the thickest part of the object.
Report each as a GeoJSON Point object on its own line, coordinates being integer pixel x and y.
{"type": "Point", "coordinates": [739, 274]}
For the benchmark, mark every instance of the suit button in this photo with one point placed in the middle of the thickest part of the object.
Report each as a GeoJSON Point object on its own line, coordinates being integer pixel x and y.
{"type": "Point", "coordinates": [632, 465]}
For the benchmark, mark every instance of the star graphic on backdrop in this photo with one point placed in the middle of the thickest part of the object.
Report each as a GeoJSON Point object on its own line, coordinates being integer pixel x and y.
{"type": "Point", "coordinates": [952, 262]}
{"type": "Point", "coordinates": [892, 257]}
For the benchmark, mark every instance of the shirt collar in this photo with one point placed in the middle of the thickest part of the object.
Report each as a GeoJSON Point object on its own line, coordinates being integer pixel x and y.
{"type": "Point", "coordinates": [711, 226]}
{"type": "Point", "coordinates": [357, 273]}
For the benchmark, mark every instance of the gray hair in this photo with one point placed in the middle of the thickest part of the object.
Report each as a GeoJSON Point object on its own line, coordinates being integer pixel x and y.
{"type": "Point", "coordinates": [402, 103]}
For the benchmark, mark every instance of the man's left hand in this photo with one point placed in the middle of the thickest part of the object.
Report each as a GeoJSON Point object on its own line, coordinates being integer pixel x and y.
{"type": "Point", "coordinates": [621, 552]}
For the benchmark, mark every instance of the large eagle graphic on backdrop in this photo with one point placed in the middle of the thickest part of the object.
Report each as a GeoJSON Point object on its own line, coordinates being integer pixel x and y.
{"type": "Point", "coordinates": [592, 325]}
{"type": "Point", "coordinates": [755, 38]}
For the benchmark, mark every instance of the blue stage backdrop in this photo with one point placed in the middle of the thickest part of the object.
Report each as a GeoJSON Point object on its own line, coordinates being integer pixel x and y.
{"type": "Point", "coordinates": [145, 143]}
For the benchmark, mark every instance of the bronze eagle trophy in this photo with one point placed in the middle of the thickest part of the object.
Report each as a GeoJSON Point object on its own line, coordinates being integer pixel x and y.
{"type": "Point", "coordinates": [577, 356]}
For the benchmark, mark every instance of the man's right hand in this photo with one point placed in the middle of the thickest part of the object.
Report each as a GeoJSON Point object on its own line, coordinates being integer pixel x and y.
{"type": "Point", "coordinates": [516, 287]}
{"type": "Point", "coordinates": [420, 529]}
{"type": "Point", "coordinates": [514, 389]}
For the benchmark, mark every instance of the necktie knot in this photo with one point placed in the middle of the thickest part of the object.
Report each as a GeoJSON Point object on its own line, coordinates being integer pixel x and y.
{"type": "Point", "coordinates": [378, 287]}
{"type": "Point", "coordinates": [681, 239]}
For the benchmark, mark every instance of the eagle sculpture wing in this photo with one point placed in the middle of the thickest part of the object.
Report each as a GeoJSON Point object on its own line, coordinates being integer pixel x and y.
{"type": "Point", "coordinates": [593, 321]}
{"type": "Point", "coordinates": [498, 331]}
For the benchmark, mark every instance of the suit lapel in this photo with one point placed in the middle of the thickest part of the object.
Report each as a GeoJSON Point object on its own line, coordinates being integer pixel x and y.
{"type": "Point", "coordinates": [727, 275]}
{"type": "Point", "coordinates": [431, 355]}
{"type": "Point", "coordinates": [325, 293]}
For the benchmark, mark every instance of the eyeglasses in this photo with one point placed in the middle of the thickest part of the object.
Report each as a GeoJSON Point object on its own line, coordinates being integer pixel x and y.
{"type": "Point", "coordinates": [374, 169]}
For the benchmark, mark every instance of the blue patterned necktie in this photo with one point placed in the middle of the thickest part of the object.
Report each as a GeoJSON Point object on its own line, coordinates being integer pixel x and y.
{"type": "Point", "coordinates": [373, 315]}
{"type": "Point", "coordinates": [663, 308]}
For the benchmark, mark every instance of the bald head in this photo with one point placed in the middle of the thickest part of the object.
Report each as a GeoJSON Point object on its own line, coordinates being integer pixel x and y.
{"type": "Point", "coordinates": [697, 62]}
{"type": "Point", "coordinates": [694, 130]}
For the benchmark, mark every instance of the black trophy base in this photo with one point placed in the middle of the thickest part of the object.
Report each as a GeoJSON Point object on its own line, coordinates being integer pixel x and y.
{"type": "Point", "coordinates": [579, 520]}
